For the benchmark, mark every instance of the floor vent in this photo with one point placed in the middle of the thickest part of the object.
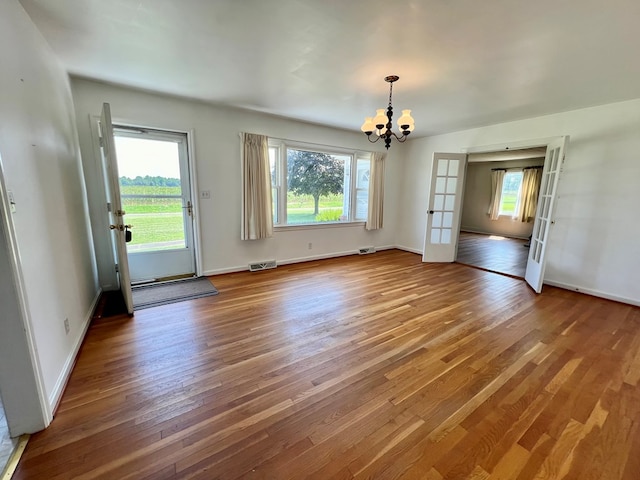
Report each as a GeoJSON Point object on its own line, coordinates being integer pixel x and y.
{"type": "Point", "coordinates": [365, 250]}
{"type": "Point", "coordinates": [256, 267]}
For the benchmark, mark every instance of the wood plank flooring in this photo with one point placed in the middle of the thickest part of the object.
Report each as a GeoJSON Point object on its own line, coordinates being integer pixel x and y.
{"type": "Point", "coordinates": [374, 366]}
{"type": "Point", "coordinates": [493, 253]}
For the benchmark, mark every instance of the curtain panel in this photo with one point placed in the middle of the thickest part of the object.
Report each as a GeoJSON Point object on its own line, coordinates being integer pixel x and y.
{"type": "Point", "coordinates": [528, 201]}
{"type": "Point", "coordinates": [376, 191]}
{"type": "Point", "coordinates": [257, 214]}
{"type": "Point", "coordinates": [497, 178]}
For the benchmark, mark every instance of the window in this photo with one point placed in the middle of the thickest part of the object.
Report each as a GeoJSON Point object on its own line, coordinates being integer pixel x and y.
{"type": "Point", "coordinates": [510, 197]}
{"type": "Point", "coordinates": [318, 185]}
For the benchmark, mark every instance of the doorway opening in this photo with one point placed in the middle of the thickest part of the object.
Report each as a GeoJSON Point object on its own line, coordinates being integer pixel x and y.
{"type": "Point", "coordinates": [155, 192]}
{"type": "Point", "coordinates": [498, 241]}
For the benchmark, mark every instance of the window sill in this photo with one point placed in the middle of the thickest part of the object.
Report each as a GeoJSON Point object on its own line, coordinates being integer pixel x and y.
{"type": "Point", "coordinates": [315, 226]}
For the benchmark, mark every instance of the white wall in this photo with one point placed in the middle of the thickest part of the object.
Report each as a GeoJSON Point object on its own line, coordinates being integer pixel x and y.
{"type": "Point", "coordinates": [42, 166]}
{"type": "Point", "coordinates": [594, 244]}
{"type": "Point", "coordinates": [217, 152]}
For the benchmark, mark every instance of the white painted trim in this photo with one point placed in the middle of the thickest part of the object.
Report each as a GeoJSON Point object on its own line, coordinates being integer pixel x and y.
{"type": "Point", "coordinates": [314, 226]}
{"type": "Point", "coordinates": [472, 230]}
{"type": "Point", "coordinates": [63, 378]}
{"type": "Point", "coordinates": [18, 280]}
{"type": "Point", "coordinates": [222, 271]}
{"type": "Point", "coordinates": [195, 198]}
{"type": "Point", "coordinates": [594, 293]}
{"type": "Point", "coordinates": [409, 249]}
{"type": "Point", "coordinates": [531, 143]}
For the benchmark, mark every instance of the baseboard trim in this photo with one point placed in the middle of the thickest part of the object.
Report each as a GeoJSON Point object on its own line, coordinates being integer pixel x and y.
{"type": "Point", "coordinates": [480, 232]}
{"type": "Point", "coordinates": [593, 293]}
{"type": "Point", "coordinates": [56, 394]}
{"type": "Point", "coordinates": [409, 249]}
{"type": "Point", "coordinates": [289, 261]}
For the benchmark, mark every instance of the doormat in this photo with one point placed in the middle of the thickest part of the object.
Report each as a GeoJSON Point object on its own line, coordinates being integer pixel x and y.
{"type": "Point", "coordinates": [147, 296]}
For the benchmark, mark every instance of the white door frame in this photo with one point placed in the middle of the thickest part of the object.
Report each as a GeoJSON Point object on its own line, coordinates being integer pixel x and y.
{"type": "Point", "coordinates": [108, 278]}
{"type": "Point", "coordinates": [516, 145]}
{"type": "Point", "coordinates": [139, 260]}
{"type": "Point", "coordinates": [26, 405]}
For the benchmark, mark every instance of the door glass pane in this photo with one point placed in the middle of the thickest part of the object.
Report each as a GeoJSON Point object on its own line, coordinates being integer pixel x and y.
{"type": "Point", "coordinates": [554, 159]}
{"type": "Point", "coordinates": [151, 191]}
{"type": "Point", "coordinates": [437, 219]}
{"type": "Point", "coordinates": [451, 185]}
{"type": "Point", "coordinates": [435, 235]}
{"type": "Point", "coordinates": [446, 236]}
{"type": "Point", "coordinates": [453, 167]}
{"type": "Point", "coordinates": [440, 184]}
{"type": "Point", "coordinates": [447, 219]}
{"type": "Point", "coordinates": [438, 202]}
{"type": "Point", "coordinates": [442, 167]}
{"type": "Point", "coordinates": [449, 202]}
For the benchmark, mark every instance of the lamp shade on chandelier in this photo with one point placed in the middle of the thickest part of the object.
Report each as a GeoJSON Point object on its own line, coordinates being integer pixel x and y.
{"type": "Point", "coordinates": [382, 122]}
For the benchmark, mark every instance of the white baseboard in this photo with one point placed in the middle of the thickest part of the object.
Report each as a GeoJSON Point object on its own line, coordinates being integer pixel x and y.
{"type": "Point", "coordinates": [409, 249]}
{"type": "Point", "coordinates": [58, 390]}
{"type": "Point", "coordinates": [471, 230]}
{"type": "Point", "coordinates": [595, 293]}
{"type": "Point", "coordinates": [310, 258]}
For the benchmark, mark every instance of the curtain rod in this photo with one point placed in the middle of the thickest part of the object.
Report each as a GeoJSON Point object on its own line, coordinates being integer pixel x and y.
{"type": "Point", "coordinates": [516, 168]}
{"type": "Point", "coordinates": [312, 144]}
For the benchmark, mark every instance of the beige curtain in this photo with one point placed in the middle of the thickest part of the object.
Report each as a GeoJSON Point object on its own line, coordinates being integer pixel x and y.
{"type": "Point", "coordinates": [526, 209]}
{"type": "Point", "coordinates": [376, 191]}
{"type": "Point", "coordinates": [497, 177]}
{"type": "Point", "coordinates": [257, 215]}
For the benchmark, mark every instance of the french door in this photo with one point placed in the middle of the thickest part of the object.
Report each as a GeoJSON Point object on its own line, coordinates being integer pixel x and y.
{"type": "Point", "coordinates": [445, 205]}
{"type": "Point", "coordinates": [546, 202]}
{"type": "Point", "coordinates": [154, 183]}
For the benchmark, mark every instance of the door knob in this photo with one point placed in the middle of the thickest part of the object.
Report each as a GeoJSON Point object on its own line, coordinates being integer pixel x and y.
{"type": "Point", "coordinates": [430, 212]}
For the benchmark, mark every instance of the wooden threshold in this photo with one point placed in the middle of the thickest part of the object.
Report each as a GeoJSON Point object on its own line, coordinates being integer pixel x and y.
{"type": "Point", "coordinates": [374, 366]}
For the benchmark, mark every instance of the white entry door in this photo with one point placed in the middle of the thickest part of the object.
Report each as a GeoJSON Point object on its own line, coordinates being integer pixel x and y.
{"type": "Point", "coordinates": [546, 202]}
{"type": "Point", "coordinates": [155, 191]}
{"type": "Point", "coordinates": [116, 213]}
{"type": "Point", "coordinates": [445, 205]}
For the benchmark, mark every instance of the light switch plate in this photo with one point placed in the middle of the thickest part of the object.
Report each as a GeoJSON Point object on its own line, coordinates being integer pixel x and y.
{"type": "Point", "coordinates": [205, 194]}
{"type": "Point", "coordinates": [12, 202]}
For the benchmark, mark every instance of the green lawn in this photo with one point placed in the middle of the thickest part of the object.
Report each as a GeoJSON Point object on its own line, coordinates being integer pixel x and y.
{"type": "Point", "coordinates": [508, 205]}
{"type": "Point", "coordinates": [157, 220]}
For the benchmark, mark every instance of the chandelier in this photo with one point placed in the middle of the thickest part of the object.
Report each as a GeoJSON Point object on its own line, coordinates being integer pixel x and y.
{"type": "Point", "coordinates": [381, 123]}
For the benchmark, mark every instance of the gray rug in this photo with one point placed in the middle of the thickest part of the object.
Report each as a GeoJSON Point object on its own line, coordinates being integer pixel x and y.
{"type": "Point", "coordinates": [147, 296]}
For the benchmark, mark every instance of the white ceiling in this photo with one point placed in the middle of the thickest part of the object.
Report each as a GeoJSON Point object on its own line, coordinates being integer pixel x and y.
{"type": "Point", "coordinates": [462, 63]}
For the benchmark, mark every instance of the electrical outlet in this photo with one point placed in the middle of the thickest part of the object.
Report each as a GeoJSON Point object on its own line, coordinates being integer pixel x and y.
{"type": "Point", "coordinates": [310, 246]}
{"type": "Point", "coordinates": [66, 326]}
{"type": "Point", "coordinates": [205, 194]}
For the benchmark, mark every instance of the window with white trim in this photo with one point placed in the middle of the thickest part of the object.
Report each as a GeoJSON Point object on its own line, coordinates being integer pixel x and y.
{"type": "Point", "coordinates": [318, 185]}
{"type": "Point", "coordinates": [511, 185]}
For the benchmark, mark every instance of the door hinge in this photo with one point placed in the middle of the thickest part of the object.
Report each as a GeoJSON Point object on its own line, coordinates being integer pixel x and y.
{"type": "Point", "coordinates": [101, 141]}
{"type": "Point", "coordinates": [108, 206]}
{"type": "Point", "coordinates": [117, 268]}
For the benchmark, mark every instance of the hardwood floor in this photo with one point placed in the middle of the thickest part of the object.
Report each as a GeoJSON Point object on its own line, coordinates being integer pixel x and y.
{"type": "Point", "coordinates": [374, 366]}
{"type": "Point", "coordinates": [493, 253]}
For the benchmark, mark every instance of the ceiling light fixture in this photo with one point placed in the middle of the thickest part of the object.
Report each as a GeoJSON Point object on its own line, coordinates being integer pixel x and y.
{"type": "Point", "coordinates": [381, 123]}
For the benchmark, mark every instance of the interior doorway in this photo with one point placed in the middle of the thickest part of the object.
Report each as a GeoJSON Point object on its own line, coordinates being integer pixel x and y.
{"type": "Point", "coordinates": [500, 243]}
